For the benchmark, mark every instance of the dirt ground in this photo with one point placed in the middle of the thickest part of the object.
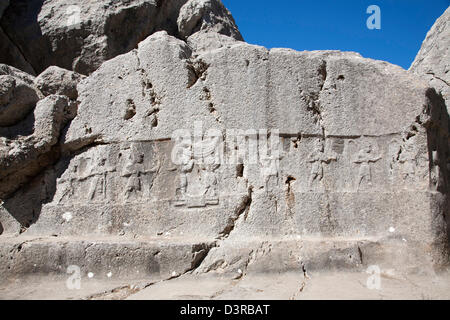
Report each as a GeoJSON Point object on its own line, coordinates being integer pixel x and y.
{"type": "Point", "coordinates": [286, 286]}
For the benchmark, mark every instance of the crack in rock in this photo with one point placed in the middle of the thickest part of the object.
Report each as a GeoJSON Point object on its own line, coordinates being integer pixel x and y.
{"type": "Point", "coordinates": [312, 99]}
{"type": "Point", "coordinates": [199, 253]}
{"type": "Point", "coordinates": [242, 210]}
{"type": "Point", "coordinates": [436, 77]}
{"type": "Point", "coordinates": [303, 283]}
{"type": "Point", "coordinates": [197, 70]}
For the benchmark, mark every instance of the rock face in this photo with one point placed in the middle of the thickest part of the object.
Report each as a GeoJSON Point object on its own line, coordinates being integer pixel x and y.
{"type": "Point", "coordinates": [55, 80]}
{"type": "Point", "coordinates": [9, 53]}
{"type": "Point", "coordinates": [17, 96]}
{"type": "Point", "coordinates": [432, 62]}
{"type": "Point", "coordinates": [209, 15]}
{"type": "Point", "coordinates": [207, 154]}
{"type": "Point", "coordinates": [433, 59]}
{"type": "Point", "coordinates": [30, 127]}
{"type": "Point", "coordinates": [81, 35]}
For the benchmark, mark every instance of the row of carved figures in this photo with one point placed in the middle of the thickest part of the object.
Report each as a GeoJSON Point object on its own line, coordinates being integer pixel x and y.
{"type": "Point", "coordinates": [96, 169]}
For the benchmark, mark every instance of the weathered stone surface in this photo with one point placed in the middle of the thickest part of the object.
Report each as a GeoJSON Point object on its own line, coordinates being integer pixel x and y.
{"type": "Point", "coordinates": [23, 157]}
{"type": "Point", "coordinates": [209, 15]}
{"type": "Point", "coordinates": [125, 258]}
{"type": "Point", "coordinates": [249, 160]}
{"type": "Point", "coordinates": [55, 80]}
{"type": "Point", "coordinates": [433, 60]}
{"type": "Point", "coordinates": [14, 72]}
{"type": "Point", "coordinates": [81, 36]}
{"type": "Point", "coordinates": [432, 63]}
{"type": "Point", "coordinates": [18, 96]}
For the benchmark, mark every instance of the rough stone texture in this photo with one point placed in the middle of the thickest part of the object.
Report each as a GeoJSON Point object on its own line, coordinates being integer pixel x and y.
{"type": "Point", "coordinates": [433, 59]}
{"type": "Point", "coordinates": [30, 127]}
{"type": "Point", "coordinates": [279, 286]}
{"type": "Point", "coordinates": [289, 161]}
{"type": "Point", "coordinates": [82, 38]}
{"type": "Point", "coordinates": [296, 286]}
{"type": "Point", "coordinates": [351, 170]}
{"type": "Point", "coordinates": [206, 41]}
{"type": "Point", "coordinates": [14, 72]}
{"type": "Point", "coordinates": [25, 156]}
{"type": "Point", "coordinates": [211, 15]}
{"type": "Point", "coordinates": [55, 80]}
{"type": "Point", "coordinates": [142, 258]}
{"type": "Point", "coordinates": [18, 96]}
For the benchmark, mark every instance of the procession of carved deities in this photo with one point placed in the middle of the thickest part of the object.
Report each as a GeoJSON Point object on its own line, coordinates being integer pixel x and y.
{"type": "Point", "coordinates": [125, 172]}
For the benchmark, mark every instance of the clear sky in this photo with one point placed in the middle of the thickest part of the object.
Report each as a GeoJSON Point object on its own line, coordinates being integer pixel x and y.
{"type": "Point", "coordinates": [339, 25]}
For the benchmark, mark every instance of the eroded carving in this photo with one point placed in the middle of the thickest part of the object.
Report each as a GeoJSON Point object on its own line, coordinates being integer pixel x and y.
{"type": "Point", "coordinates": [111, 173]}
{"type": "Point", "coordinates": [364, 158]}
{"type": "Point", "coordinates": [318, 158]}
{"type": "Point", "coordinates": [408, 164]}
{"type": "Point", "coordinates": [69, 184]}
{"type": "Point", "coordinates": [403, 158]}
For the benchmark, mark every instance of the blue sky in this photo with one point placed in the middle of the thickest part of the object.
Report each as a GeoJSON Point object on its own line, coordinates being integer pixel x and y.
{"type": "Point", "coordinates": [339, 25]}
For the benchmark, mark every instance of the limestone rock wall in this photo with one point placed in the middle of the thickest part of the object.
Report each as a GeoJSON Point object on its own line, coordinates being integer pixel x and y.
{"type": "Point", "coordinates": [432, 63]}
{"type": "Point", "coordinates": [217, 156]}
{"type": "Point", "coordinates": [81, 35]}
{"type": "Point", "coordinates": [433, 60]}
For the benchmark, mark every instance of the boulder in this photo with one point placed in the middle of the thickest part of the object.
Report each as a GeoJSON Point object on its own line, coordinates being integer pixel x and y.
{"type": "Point", "coordinates": [30, 128]}
{"type": "Point", "coordinates": [81, 36]}
{"type": "Point", "coordinates": [163, 147]}
{"type": "Point", "coordinates": [11, 55]}
{"type": "Point", "coordinates": [206, 15]}
{"type": "Point", "coordinates": [55, 80]}
{"type": "Point", "coordinates": [433, 60]}
{"type": "Point", "coordinates": [18, 96]}
{"type": "Point", "coordinates": [202, 41]}
{"type": "Point", "coordinates": [23, 76]}
{"type": "Point", "coordinates": [24, 157]}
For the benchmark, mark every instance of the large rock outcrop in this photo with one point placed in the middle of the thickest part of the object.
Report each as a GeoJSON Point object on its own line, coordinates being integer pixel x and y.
{"type": "Point", "coordinates": [201, 153]}
{"type": "Point", "coordinates": [81, 35]}
{"type": "Point", "coordinates": [18, 96]}
{"type": "Point", "coordinates": [206, 15]}
{"type": "Point", "coordinates": [433, 60]}
{"type": "Point", "coordinates": [31, 122]}
{"type": "Point", "coordinates": [55, 80]}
